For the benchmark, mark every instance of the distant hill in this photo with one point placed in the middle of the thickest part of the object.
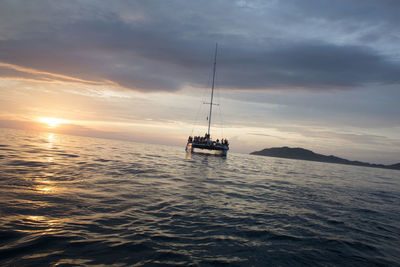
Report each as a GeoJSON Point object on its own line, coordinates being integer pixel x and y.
{"type": "Point", "coordinates": [394, 166]}
{"type": "Point", "coordinates": [304, 154]}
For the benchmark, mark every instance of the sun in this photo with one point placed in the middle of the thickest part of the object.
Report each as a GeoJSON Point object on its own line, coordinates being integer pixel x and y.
{"type": "Point", "coordinates": [52, 122]}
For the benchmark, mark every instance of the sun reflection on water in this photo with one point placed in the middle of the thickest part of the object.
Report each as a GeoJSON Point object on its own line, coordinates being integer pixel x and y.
{"type": "Point", "coordinates": [43, 224]}
{"type": "Point", "coordinates": [115, 197]}
{"type": "Point", "coordinates": [51, 139]}
{"type": "Point", "coordinates": [36, 218]}
{"type": "Point", "coordinates": [45, 188]}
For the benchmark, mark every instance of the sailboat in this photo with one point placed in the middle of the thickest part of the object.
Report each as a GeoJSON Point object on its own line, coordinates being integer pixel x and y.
{"type": "Point", "coordinates": [205, 144]}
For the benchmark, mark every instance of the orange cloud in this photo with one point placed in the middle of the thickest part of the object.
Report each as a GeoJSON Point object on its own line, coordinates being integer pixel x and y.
{"type": "Point", "coordinates": [48, 76]}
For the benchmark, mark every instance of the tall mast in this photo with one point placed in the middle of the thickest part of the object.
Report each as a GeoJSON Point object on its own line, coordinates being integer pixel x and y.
{"type": "Point", "coordinates": [212, 88]}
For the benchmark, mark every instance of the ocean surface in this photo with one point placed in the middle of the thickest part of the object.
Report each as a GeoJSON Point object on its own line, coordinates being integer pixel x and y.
{"type": "Point", "coordinates": [70, 201]}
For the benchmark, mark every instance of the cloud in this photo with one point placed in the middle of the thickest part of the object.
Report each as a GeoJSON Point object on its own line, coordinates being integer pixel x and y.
{"type": "Point", "coordinates": [369, 107]}
{"type": "Point", "coordinates": [15, 71]}
{"type": "Point", "coordinates": [148, 46]}
{"type": "Point", "coordinates": [309, 65]}
{"type": "Point", "coordinates": [356, 139]}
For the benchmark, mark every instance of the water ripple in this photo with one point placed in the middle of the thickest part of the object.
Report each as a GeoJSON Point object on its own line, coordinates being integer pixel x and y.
{"type": "Point", "coordinates": [118, 203]}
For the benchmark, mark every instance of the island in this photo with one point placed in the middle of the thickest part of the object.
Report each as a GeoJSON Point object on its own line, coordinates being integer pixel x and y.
{"type": "Point", "coordinates": [305, 154]}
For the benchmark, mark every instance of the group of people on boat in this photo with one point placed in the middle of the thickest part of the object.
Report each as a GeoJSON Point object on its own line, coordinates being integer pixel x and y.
{"type": "Point", "coordinates": [206, 140]}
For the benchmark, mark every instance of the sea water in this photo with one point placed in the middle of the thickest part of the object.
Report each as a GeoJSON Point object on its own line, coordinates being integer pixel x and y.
{"type": "Point", "coordinates": [69, 201]}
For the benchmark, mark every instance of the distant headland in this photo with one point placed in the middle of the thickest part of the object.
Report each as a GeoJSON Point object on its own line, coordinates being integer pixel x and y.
{"type": "Point", "coordinates": [304, 154]}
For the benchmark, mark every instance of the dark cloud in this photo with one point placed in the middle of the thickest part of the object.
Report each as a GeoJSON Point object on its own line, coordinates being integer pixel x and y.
{"type": "Point", "coordinates": [367, 108]}
{"type": "Point", "coordinates": [308, 65]}
{"type": "Point", "coordinates": [149, 46]}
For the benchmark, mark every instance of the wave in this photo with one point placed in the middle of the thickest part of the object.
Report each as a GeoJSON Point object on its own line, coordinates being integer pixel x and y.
{"type": "Point", "coordinates": [122, 203]}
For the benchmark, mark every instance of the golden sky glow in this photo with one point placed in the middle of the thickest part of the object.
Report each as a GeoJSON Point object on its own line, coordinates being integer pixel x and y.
{"type": "Point", "coordinates": [108, 71]}
{"type": "Point", "coordinates": [52, 122]}
{"type": "Point", "coordinates": [78, 107]}
{"type": "Point", "coordinates": [168, 118]}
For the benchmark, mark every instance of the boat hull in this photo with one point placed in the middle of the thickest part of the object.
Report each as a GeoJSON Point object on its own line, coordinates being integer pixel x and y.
{"type": "Point", "coordinates": [207, 149]}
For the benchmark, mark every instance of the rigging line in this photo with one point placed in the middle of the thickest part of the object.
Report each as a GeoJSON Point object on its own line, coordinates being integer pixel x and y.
{"type": "Point", "coordinates": [203, 97]}
{"type": "Point", "coordinates": [220, 112]}
{"type": "Point", "coordinates": [195, 119]}
{"type": "Point", "coordinates": [201, 107]}
{"type": "Point", "coordinates": [222, 123]}
{"type": "Point", "coordinates": [200, 111]}
{"type": "Point", "coordinates": [212, 88]}
{"type": "Point", "coordinates": [219, 99]}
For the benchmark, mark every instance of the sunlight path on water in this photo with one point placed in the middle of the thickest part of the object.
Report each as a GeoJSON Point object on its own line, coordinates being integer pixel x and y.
{"type": "Point", "coordinates": [86, 201]}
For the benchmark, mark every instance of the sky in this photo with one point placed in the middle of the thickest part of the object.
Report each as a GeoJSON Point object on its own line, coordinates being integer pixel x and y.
{"type": "Point", "coordinates": [318, 74]}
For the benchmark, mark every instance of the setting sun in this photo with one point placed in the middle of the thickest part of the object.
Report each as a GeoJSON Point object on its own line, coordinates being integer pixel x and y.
{"type": "Point", "coordinates": [52, 122]}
